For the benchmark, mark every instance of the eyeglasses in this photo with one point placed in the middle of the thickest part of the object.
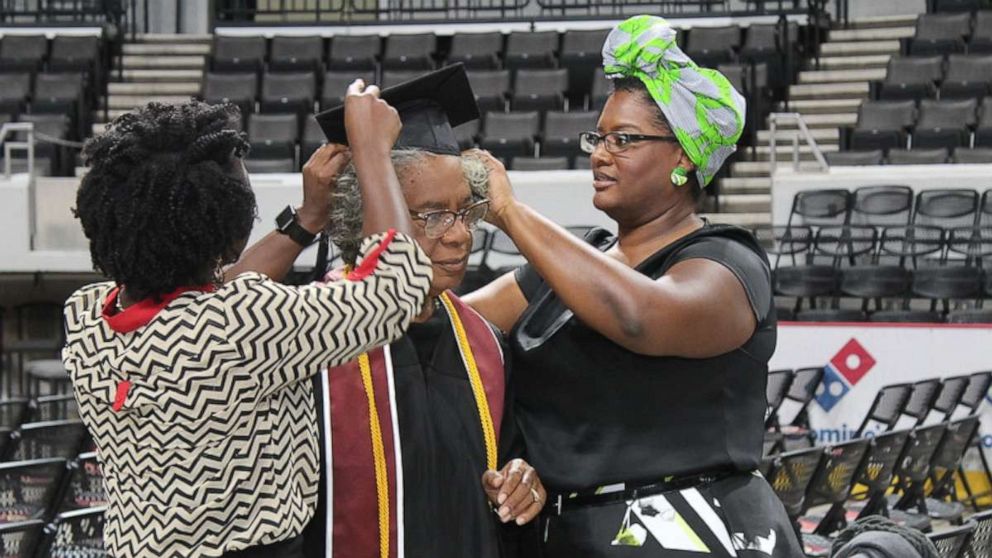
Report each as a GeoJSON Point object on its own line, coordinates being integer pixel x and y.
{"type": "Point", "coordinates": [616, 142]}
{"type": "Point", "coordinates": [438, 222]}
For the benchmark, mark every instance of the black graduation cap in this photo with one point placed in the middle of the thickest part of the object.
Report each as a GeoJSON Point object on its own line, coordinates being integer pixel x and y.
{"type": "Point", "coordinates": [429, 107]}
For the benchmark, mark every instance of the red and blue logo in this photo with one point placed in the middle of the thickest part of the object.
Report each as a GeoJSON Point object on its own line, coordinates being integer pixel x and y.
{"type": "Point", "coordinates": [842, 373]}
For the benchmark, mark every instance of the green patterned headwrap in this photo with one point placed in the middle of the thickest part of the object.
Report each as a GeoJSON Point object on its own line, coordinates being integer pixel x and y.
{"type": "Point", "coordinates": [704, 111]}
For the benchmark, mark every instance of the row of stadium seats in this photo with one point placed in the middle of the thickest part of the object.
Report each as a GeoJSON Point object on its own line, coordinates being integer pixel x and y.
{"type": "Point", "coordinates": [916, 156]}
{"type": "Point", "coordinates": [954, 77]}
{"type": "Point", "coordinates": [902, 462]}
{"type": "Point", "coordinates": [63, 53]}
{"type": "Point", "coordinates": [951, 33]}
{"type": "Point", "coordinates": [889, 125]}
{"type": "Point", "coordinates": [275, 138]}
{"type": "Point", "coordinates": [883, 244]}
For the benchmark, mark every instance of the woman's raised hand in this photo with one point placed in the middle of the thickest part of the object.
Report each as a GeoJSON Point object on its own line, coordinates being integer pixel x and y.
{"type": "Point", "coordinates": [370, 122]}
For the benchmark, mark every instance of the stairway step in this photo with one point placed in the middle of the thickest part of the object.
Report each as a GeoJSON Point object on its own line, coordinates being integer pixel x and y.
{"type": "Point", "coordinates": [173, 38]}
{"type": "Point", "coordinates": [154, 88]}
{"type": "Point", "coordinates": [745, 185]}
{"type": "Point", "coordinates": [167, 49]}
{"type": "Point", "coordinates": [745, 220]}
{"type": "Point", "coordinates": [865, 61]}
{"type": "Point", "coordinates": [835, 76]}
{"type": "Point", "coordinates": [872, 33]}
{"type": "Point", "coordinates": [745, 203]}
{"type": "Point", "coordinates": [162, 62]}
{"type": "Point", "coordinates": [900, 20]}
{"type": "Point", "coordinates": [98, 127]}
{"type": "Point", "coordinates": [821, 121]}
{"type": "Point", "coordinates": [763, 168]}
{"type": "Point", "coordinates": [850, 48]}
{"type": "Point", "coordinates": [133, 101]}
{"type": "Point", "coordinates": [784, 152]}
{"type": "Point", "coordinates": [161, 76]}
{"type": "Point", "coordinates": [820, 135]}
{"type": "Point", "coordinates": [821, 106]}
{"type": "Point", "coordinates": [849, 90]}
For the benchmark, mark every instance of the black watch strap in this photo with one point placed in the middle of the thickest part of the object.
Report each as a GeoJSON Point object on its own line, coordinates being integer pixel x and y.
{"type": "Point", "coordinates": [288, 224]}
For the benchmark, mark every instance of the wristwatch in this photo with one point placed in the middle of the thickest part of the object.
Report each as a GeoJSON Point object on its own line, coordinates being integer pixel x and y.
{"type": "Point", "coordinates": [288, 224]}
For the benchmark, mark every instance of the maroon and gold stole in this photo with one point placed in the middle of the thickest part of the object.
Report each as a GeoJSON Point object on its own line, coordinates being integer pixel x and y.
{"type": "Point", "coordinates": [364, 452]}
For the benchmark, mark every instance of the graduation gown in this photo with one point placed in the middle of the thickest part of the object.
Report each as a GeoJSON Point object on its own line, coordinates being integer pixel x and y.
{"type": "Point", "coordinates": [433, 446]}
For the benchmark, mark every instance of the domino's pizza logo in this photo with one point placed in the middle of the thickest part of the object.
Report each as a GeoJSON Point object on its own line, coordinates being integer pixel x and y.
{"type": "Point", "coordinates": [842, 373]}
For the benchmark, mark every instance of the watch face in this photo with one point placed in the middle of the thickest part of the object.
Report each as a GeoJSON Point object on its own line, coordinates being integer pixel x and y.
{"type": "Point", "coordinates": [285, 218]}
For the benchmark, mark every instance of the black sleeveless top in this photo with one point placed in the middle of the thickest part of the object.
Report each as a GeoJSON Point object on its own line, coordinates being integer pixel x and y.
{"type": "Point", "coordinates": [594, 413]}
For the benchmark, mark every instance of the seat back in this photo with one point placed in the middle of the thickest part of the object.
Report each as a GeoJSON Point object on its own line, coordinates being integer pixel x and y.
{"type": "Point", "coordinates": [882, 205]}
{"type": "Point", "coordinates": [42, 440]}
{"type": "Point", "coordinates": [540, 82]}
{"type": "Point", "coordinates": [886, 407]}
{"type": "Point", "coordinates": [946, 208]}
{"type": "Point", "coordinates": [777, 387]}
{"type": "Point", "coordinates": [951, 391]}
{"type": "Point", "coordinates": [513, 125]}
{"type": "Point", "coordinates": [933, 156]}
{"type": "Point", "coordinates": [953, 542]}
{"type": "Point", "coordinates": [85, 487]}
{"type": "Point", "coordinates": [969, 68]}
{"type": "Point", "coordinates": [883, 457]}
{"type": "Point", "coordinates": [855, 158]}
{"type": "Point", "coordinates": [76, 533]}
{"type": "Point", "coordinates": [841, 465]}
{"type": "Point", "coordinates": [886, 115]}
{"type": "Point", "coordinates": [21, 539]}
{"type": "Point", "coordinates": [978, 389]}
{"type": "Point", "coordinates": [947, 115]}
{"type": "Point", "coordinates": [981, 540]}
{"type": "Point", "coordinates": [790, 476]}
{"type": "Point", "coordinates": [914, 69]}
{"type": "Point", "coordinates": [820, 207]}
{"type": "Point", "coordinates": [29, 489]}
{"type": "Point", "coordinates": [915, 465]}
{"type": "Point", "coordinates": [949, 454]}
{"type": "Point", "coordinates": [234, 87]}
{"type": "Point", "coordinates": [920, 402]}
{"type": "Point", "coordinates": [297, 50]}
{"type": "Point", "coordinates": [947, 27]}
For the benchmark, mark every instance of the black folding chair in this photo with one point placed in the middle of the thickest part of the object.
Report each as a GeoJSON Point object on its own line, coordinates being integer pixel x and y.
{"type": "Point", "coordinates": [921, 400]}
{"type": "Point", "coordinates": [953, 543]}
{"type": "Point", "coordinates": [886, 408]}
{"type": "Point", "coordinates": [790, 474]}
{"type": "Point", "coordinates": [796, 432]}
{"type": "Point", "coordinates": [981, 540]}
{"type": "Point", "coordinates": [39, 440]}
{"type": "Point", "coordinates": [887, 451]}
{"type": "Point", "coordinates": [908, 506]}
{"type": "Point", "coordinates": [84, 487]}
{"type": "Point", "coordinates": [21, 539]}
{"type": "Point", "coordinates": [29, 489]}
{"type": "Point", "coordinates": [75, 533]}
{"type": "Point", "coordinates": [779, 382]}
{"type": "Point", "coordinates": [941, 500]}
{"type": "Point", "coordinates": [832, 484]}
{"type": "Point", "coordinates": [971, 401]}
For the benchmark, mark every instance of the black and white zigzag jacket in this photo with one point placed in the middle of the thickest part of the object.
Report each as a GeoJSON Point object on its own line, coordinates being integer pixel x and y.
{"type": "Point", "coordinates": [203, 422]}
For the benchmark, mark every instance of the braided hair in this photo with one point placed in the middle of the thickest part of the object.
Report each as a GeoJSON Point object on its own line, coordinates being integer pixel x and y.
{"type": "Point", "coordinates": [164, 203]}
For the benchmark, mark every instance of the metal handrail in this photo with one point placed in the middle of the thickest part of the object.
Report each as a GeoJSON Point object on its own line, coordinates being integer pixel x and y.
{"type": "Point", "coordinates": [773, 120]}
{"type": "Point", "coordinates": [10, 146]}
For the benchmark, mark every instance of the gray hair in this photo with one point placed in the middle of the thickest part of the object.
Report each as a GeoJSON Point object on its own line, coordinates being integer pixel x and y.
{"type": "Point", "coordinates": [345, 226]}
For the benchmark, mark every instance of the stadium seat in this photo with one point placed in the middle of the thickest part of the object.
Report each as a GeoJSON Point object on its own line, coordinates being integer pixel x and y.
{"type": "Point", "coordinates": [561, 132]}
{"type": "Point", "coordinates": [981, 33]}
{"type": "Point", "coordinates": [882, 206]}
{"type": "Point", "coordinates": [967, 77]}
{"type": "Point", "coordinates": [831, 485]}
{"type": "Point", "coordinates": [467, 134]}
{"type": "Point", "coordinates": [763, 44]}
{"type": "Point", "coordinates": [918, 156]}
{"type": "Point", "coordinates": [288, 92]}
{"type": "Point", "coordinates": [353, 52]}
{"type": "Point", "coordinates": [956, 5]}
{"type": "Point", "coordinates": [540, 89]}
{"type": "Point", "coordinates": [539, 163]}
{"type": "Point", "coordinates": [236, 88]}
{"type": "Point", "coordinates": [983, 131]}
{"type": "Point", "coordinates": [15, 90]}
{"type": "Point", "coordinates": [391, 78]}
{"type": "Point", "coordinates": [975, 156]}
{"type": "Point", "coordinates": [74, 54]}
{"type": "Point", "coordinates": [601, 89]}
{"type": "Point", "coordinates": [581, 54]}
{"type": "Point", "coordinates": [881, 464]}
{"type": "Point", "coordinates": [945, 124]}
{"type": "Point", "coordinates": [22, 53]}
{"type": "Point", "coordinates": [710, 46]}
{"type": "Point", "coordinates": [510, 134]}
{"type": "Point", "coordinates": [940, 34]}
{"type": "Point", "coordinates": [313, 138]}
{"type": "Point", "coordinates": [57, 93]}
{"type": "Point", "coordinates": [882, 125]}
{"type": "Point", "coordinates": [912, 77]}
{"type": "Point", "coordinates": [273, 136]}
{"type": "Point", "coordinates": [946, 208]}
{"type": "Point", "coordinates": [477, 51]}
{"type": "Point", "coordinates": [335, 85]}
{"type": "Point", "coordinates": [85, 485]}
{"type": "Point", "coordinates": [263, 166]}
{"type": "Point", "coordinates": [30, 488]}
{"type": "Point", "coordinates": [296, 54]}
{"type": "Point", "coordinates": [854, 158]}
{"type": "Point", "coordinates": [790, 474]}
{"type": "Point", "coordinates": [526, 49]}
{"type": "Point", "coordinates": [409, 52]}
{"type": "Point", "coordinates": [491, 88]}
{"type": "Point", "coordinates": [238, 54]}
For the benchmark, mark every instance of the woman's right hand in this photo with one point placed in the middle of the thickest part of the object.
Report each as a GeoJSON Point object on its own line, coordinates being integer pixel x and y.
{"type": "Point", "coordinates": [501, 197]}
{"type": "Point", "coordinates": [370, 122]}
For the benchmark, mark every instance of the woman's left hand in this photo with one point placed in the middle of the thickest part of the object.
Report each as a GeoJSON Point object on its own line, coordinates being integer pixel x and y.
{"type": "Point", "coordinates": [516, 490]}
{"type": "Point", "coordinates": [501, 196]}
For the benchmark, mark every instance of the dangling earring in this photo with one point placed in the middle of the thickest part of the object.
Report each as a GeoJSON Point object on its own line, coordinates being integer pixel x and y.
{"type": "Point", "coordinates": [680, 176]}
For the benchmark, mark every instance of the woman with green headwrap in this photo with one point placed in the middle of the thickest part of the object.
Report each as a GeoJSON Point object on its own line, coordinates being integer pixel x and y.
{"type": "Point", "coordinates": [641, 359]}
